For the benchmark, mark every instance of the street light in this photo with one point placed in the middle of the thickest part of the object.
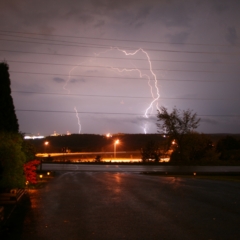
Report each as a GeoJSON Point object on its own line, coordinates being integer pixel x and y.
{"type": "Point", "coordinates": [46, 144]}
{"type": "Point", "coordinates": [115, 144]}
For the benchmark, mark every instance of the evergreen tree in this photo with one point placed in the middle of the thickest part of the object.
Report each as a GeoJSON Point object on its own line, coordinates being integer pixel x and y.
{"type": "Point", "coordinates": [8, 118]}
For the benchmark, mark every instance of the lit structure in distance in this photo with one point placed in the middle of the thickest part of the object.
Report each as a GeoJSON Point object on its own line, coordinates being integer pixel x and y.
{"type": "Point", "coordinates": [115, 146]}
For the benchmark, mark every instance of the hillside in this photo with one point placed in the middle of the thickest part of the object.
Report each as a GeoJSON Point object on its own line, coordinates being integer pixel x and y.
{"type": "Point", "coordinates": [94, 142]}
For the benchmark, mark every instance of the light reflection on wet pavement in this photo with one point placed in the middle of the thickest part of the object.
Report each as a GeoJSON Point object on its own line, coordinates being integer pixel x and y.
{"type": "Point", "coordinates": [88, 205]}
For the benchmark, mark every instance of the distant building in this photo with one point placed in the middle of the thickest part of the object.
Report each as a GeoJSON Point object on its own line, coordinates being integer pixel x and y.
{"type": "Point", "coordinates": [55, 134]}
{"type": "Point", "coordinates": [31, 136]}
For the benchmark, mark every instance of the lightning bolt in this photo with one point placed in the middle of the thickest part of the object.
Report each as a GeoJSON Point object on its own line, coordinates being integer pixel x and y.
{"type": "Point", "coordinates": [145, 129]}
{"type": "Point", "coordinates": [79, 124]}
{"type": "Point", "coordinates": [155, 99]}
{"type": "Point", "coordinates": [68, 90]}
{"type": "Point", "coordinates": [150, 77]}
{"type": "Point", "coordinates": [69, 78]}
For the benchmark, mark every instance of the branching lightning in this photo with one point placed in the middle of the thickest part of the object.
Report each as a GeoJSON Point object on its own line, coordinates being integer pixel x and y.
{"type": "Point", "coordinates": [152, 76]}
{"type": "Point", "coordinates": [155, 99]}
{"type": "Point", "coordinates": [68, 90]}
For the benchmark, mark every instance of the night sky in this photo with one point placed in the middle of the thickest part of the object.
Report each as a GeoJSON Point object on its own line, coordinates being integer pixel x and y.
{"type": "Point", "coordinates": [94, 66]}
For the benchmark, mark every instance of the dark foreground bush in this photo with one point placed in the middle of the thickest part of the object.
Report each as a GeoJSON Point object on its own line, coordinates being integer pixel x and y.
{"type": "Point", "coordinates": [11, 161]}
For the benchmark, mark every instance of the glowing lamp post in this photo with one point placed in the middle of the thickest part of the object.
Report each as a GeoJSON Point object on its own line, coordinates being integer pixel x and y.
{"type": "Point", "coordinates": [46, 144]}
{"type": "Point", "coordinates": [115, 145]}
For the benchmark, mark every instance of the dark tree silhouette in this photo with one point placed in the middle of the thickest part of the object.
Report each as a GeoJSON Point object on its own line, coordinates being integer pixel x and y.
{"type": "Point", "coordinates": [151, 152]}
{"type": "Point", "coordinates": [228, 148]}
{"type": "Point", "coordinates": [177, 124]}
{"type": "Point", "coordinates": [8, 118]}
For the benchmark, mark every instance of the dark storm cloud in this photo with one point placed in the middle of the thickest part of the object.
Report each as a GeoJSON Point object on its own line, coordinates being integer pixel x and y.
{"type": "Point", "coordinates": [96, 13]}
{"type": "Point", "coordinates": [173, 15]}
{"type": "Point", "coordinates": [132, 16]}
{"type": "Point", "coordinates": [33, 13]}
{"type": "Point", "coordinates": [139, 24]}
{"type": "Point", "coordinates": [59, 80]}
{"type": "Point", "coordinates": [179, 37]}
{"type": "Point", "coordinates": [219, 6]}
{"type": "Point", "coordinates": [139, 18]}
{"type": "Point", "coordinates": [139, 15]}
{"type": "Point", "coordinates": [143, 12]}
{"type": "Point", "coordinates": [100, 23]}
{"type": "Point", "coordinates": [231, 35]}
{"type": "Point", "coordinates": [79, 15]}
{"type": "Point", "coordinates": [135, 13]}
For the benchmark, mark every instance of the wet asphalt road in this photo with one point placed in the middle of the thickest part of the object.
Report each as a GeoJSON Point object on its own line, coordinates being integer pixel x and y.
{"type": "Point", "coordinates": [97, 205]}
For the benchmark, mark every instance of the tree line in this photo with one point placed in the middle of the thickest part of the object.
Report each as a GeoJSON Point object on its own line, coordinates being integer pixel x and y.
{"type": "Point", "coordinates": [185, 144]}
{"type": "Point", "coordinates": [177, 137]}
{"type": "Point", "coordinates": [194, 147]}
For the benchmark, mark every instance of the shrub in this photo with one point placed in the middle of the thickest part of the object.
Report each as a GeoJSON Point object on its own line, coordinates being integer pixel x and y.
{"type": "Point", "coordinates": [11, 161]}
{"type": "Point", "coordinates": [197, 147]}
{"type": "Point", "coordinates": [229, 148]}
{"type": "Point", "coordinates": [30, 171]}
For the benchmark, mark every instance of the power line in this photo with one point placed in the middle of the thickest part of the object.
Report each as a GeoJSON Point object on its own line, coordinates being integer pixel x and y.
{"type": "Point", "coordinates": [59, 42]}
{"type": "Point", "coordinates": [79, 95]}
{"type": "Point", "coordinates": [49, 54]}
{"type": "Point", "coordinates": [116, 96]}
{"type": "Point", "coordinates": [109, 67]}
{"type": "Point", "coordinates": [74, 112]}
{"type": "Point", "coordinates": [112, 58]}
{"type": "Point", "coordinates": [107, 77]}
{"type": "Point", "coordinates": [114, 113]}
{"type": "Point", "coordinates": [147, 49]}
{"type": "Point", "coordinates": [118, 40]}
{"type": "Point", "coordinates": [74, 43]}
